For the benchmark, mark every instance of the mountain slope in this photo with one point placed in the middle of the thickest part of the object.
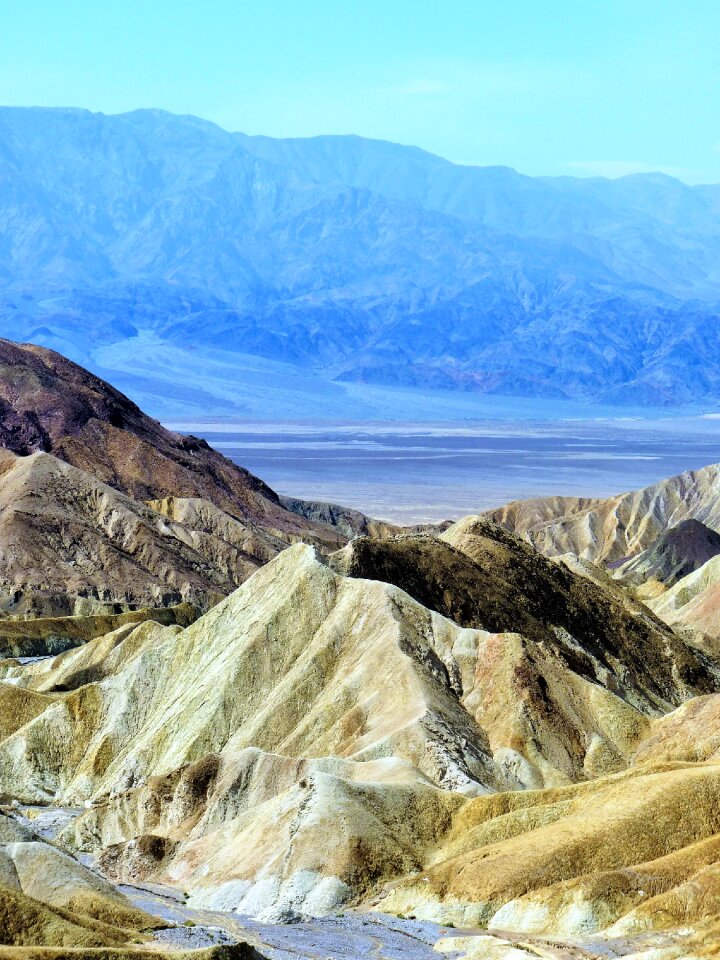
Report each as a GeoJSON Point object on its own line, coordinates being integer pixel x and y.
{"type": "Point", "coordinates": [679, 551]}
{"type": "Point", "coordinates": [47, 898]}
{"type": "Point", "coordinates": [49, 404]}
{"type": "Point", "coordinates": [694, 601]}
{"type": "Point", "coordinates": [481, 576]}
{"type": "Point", "coordinates": [579, 861]}
{"type": "Point", "coordinates": [352, 261]}
{"type": "Point", "coordinates": [300, 696]}
{"type": "Point", "coordinates": [330, 740]}
{"type": "Point", "coordinates": [71, 543]}
{"type": "Point", "coordinates": [102, 508]}
{"type": "Point", "coordinates": [616, 528]}
{"type": "Point", "coordinates": [637, 221]}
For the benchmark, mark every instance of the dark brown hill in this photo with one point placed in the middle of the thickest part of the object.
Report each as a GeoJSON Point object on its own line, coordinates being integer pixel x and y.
{"type": "Point", "coordinates": [680, 550]}
{"type": "Point", "coordinates": [50, 404]}
{"type": "Point", "coordinates": [480, 575]}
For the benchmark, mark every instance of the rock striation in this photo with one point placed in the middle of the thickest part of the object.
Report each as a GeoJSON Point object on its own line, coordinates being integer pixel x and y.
{"type": "Point", "coordinates": [580, 861]}
{"type": "Point", "coordinates": [617, 528]}
{"type": "Point", "coordinates": [694, 603]}
{"type": "Point", "coordinates": [49, 404]}
{"type": "Point", "coordinates": [313, 704]}
{"type": "Point", "coordinates": [46, 636]}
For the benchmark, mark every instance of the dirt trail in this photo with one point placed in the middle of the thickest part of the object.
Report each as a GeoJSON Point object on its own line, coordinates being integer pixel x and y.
{"type": "Point", "coordinates": [353, 935]}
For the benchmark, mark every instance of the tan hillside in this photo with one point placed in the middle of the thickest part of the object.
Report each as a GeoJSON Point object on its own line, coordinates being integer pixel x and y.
{"type": "Point", "coordinates": [694, 601]}
{"type": "Point", "coordinates": [70, 542]}
{"type": "Point", "coordinates": [481, 724]}
{"type": "Point", "coordinates": [297, 661]}
{"type": "Point", "coordinates": [618, 527]}
{"type": "Point", "coordinates": [309, 705]}
{"type": "Point", "coordinates": [47, 898]}
{"type": "Point", "coordinates": [52, 906]}
{"type": "Point", "coordinates": [579, 860]}
{"type": "Point", "coordinates": [691, 733]}
{"type": "Point", "coordinates": [41, 636]}
{"type": "Point", "coordinates": [248, 831]}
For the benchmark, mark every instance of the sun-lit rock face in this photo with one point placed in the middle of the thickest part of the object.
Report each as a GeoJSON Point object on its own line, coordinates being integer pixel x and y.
{"type": "Point", "coordinates": [691, 733]}
{"type": "Point", "coordinates": [300, 662]}
{"type": "Point", "coordinates": [315, 736]}
{"type": "Point", "coordinates": [599, 630]}
{"type": "Point", "coordinates": [617, 528]}
{"type": "Point", "coordinates": [566, 671]}
{"type": "Point", "coordinates": [270, 835]}
{"type": "Point", "coordinates": [480, 575]}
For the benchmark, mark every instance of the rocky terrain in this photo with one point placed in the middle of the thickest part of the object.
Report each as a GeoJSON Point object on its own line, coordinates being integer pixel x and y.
{"type": "Point", "coordinates": [498, 738]}
{"type": "Point", "coordinates": [312, 704]}
{"type": "Point", "coordinates": [660, 541]}
{"type": "Point", "coordinates": [681, 550]}
{"type": "Point", "coordinates": [618, 528]}
{"type": "Point", "coordinates": [102, 508]}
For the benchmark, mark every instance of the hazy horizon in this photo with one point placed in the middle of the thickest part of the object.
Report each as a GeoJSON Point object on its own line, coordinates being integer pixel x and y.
{"type": "Point", "coordinates": [587, 90]}
{"type": "Point", "coordinates": [618, 174]}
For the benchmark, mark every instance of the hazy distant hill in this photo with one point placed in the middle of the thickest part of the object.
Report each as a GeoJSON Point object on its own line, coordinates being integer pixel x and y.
{"type": "Point", "coordinates": [350, 260]}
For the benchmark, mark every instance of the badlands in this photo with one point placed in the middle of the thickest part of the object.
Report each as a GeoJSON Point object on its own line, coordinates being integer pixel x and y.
{"type": "Point", "coordinates": [237, 726]}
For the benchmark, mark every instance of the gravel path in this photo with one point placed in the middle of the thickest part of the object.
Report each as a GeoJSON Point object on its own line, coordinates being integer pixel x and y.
{"type": "Point", "coordinates": [353, 936]}
{"type": "Point", "coordinates": [350, 936]}
{"type": "Point", "coordinates": [47, 822]}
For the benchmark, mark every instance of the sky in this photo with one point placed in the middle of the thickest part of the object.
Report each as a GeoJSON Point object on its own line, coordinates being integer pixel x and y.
{"type": "Point", "coordinates": [549, 87]}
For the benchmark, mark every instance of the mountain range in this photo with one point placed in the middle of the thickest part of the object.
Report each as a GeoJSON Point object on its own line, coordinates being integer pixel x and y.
{"type": "Point", "coordinates": [234, 726]}
{"type": "Point", "coordinates": [195, 265]}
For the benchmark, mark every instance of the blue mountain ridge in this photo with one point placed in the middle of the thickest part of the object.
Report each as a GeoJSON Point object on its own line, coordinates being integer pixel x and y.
{"type": "Point", "coordinates": [350, 261]}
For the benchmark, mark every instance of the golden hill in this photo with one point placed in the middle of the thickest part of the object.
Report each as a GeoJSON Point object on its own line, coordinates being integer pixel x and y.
{"type": "Point", "coordinates": [615, 528]}
{"type": "Point", "coordinates": [313, 705]}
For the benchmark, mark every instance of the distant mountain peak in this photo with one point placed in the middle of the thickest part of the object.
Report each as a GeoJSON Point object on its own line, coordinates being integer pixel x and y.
{"type": "Point", "coordinates": [354, 258]}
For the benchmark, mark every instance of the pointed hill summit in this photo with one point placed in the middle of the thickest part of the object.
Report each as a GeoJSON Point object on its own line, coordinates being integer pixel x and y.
{"type": "Point", "coordinates": [680, 551]}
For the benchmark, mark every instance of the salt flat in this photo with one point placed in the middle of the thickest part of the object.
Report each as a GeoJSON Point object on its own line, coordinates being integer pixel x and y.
{"type": "Point", "coordinates": [414, 472]}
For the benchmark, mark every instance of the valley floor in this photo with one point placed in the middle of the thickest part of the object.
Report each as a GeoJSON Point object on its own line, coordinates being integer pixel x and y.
{"type": "Point", "coordinates": [415, 472]}
{"type": "Point", "coordinates": [350, 935]}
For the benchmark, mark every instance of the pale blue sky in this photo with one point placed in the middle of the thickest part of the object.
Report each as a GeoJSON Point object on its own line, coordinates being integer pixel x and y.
{"type": "Point", "coordinates": [546, 86]}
